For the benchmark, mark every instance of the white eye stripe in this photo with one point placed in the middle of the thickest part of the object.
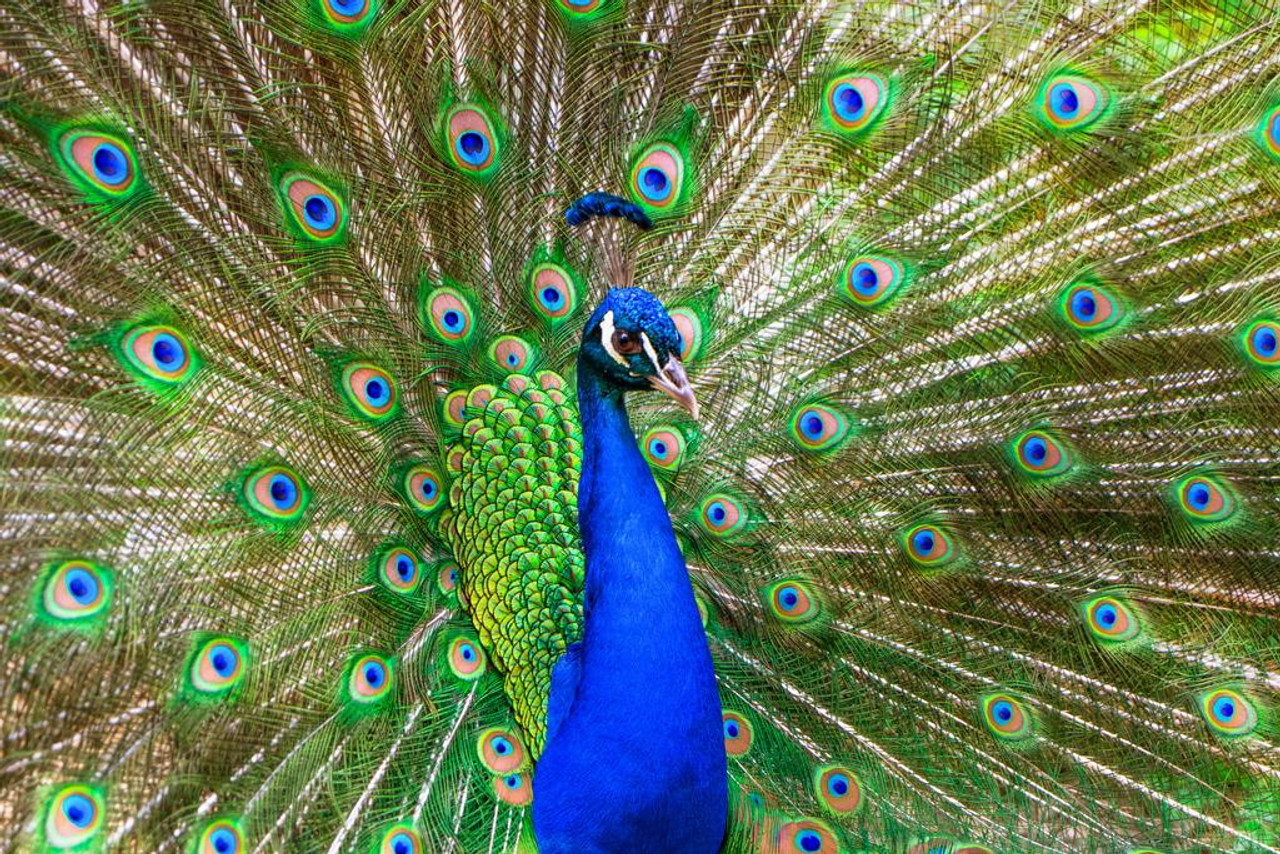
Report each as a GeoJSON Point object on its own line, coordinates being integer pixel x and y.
{"type": "Point", "coordinates": [650, 352]}
{"type": "Point", "coordinates": [606, 338]}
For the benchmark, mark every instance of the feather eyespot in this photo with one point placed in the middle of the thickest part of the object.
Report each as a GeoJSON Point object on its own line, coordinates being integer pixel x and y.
{"type": "Point", "coordinates": [663, 446]}
{"type": "Point", "coordinates": [466, 659]}
{"type": "Point", "coordinates": [218, 666]}
{"type": "Point", "coordinates": [657, 177]}
{"type": "Point", "coordinates": [1006, 717]}
{"type": "Point", "coordinates": [447, 578]}
{"type": "Point", "coordinates": [368, 679]}
{"type": "Point", "coordinates": [76, 590]}
{"type": "Point", "coordinates": [929, 545]}
{"type": "Point", "coordinates": [855, 101]}
{"type": "Point", "coordinates": [74, 816]}
{"type": "Point", "coordinates": [807, 836]}
{"type": "Point", "coordinates": [553, 292]}
{"type": "Point", "coordinates": [401, 840]}
{"type": "Point", "coordinates": [790, 601]}
{"type": "Point", "coordinates": [689, 324]}
{"type": "Point", "coordinates": [399, 570]}
{"type": "Point", "coordinates": [738, 734]}
{"type": "Point", "coordinates": [501, 751]}
{"type": "Point", "coordinates": [1204, 499]}
{"type": "Point", "coordinates": [221, 837]}
{"type": "Point", "coordinates": [1071, 102]}
{"type": "Point", "coordinates": [1111, 620]}
{"type": "Point", "coordinates": [448, 313]}
{"type": "Point", "coordinates": [513, 789]}
{"type": "Point", "coordinates": [471, 140]}
{"type": "Point", "coordinates": [722, 515]}
{"type": "Point", "coordinates": [1041, 454]}
{"type": "Point", "coordinates": [512, 353]}
{"type": "Point", "coordinates": [872, 280]}
{"type": "Point", "coordinates": [370, 391]}
{"type": "Point", "coordinates": [316, 210]}
{"type": "Point", "coordinates": [276, 494]}
{"type": "Point", "coordinates": [100, 163]}
{"type": "Point", "coordinates": [817, 427]}
{"type": "Point", "coordinates": [159, 353]}
{"type": "Point", "coordinates": [455, 408]}
{"type": "Point", "coordinates": [349, 14]}
{"type": "Point", "coordinates": [1262, 343]}
{"type": "Point", "coordinates": [422, 486]}
{"type": "Point", "coordinates": [1090, 307]}
{"type": "Point", "coordinates": [1228, 712]}
{"type": "Point", "coordinates": [1269, 133]}
{"type": "Point", "coordinates": [838, 789]}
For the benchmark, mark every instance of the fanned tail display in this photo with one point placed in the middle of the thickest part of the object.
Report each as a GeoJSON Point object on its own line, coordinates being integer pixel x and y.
{"type": "Point", "coordinates": [981, 304]}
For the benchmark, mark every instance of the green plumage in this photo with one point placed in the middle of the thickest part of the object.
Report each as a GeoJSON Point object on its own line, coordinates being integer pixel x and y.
{"type": "Point", "coordinates": [981, 508]}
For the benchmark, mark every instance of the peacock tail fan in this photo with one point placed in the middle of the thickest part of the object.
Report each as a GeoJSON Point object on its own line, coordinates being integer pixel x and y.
{"type": "Point", "coordinates": [981, 305]}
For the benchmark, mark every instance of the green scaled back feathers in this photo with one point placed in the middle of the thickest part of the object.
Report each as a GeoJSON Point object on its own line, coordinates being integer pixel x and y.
{"type": "Point", "coordinates": [982, 309]}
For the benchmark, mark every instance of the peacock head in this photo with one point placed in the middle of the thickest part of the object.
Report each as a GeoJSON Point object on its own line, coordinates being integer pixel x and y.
{"type": "Point", "coordinates": [631, 344]}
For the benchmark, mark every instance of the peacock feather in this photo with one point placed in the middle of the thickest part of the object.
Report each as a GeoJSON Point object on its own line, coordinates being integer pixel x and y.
{"type": "Point", "coordinates": [340, 514]}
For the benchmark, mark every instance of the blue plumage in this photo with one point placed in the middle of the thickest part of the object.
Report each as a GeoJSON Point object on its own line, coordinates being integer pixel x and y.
{"type": "Point", "coordinates": [635, 760]}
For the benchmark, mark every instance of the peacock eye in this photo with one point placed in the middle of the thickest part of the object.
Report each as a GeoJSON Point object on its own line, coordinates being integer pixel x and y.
{"type": "Point", "coordinates": [626, 343]}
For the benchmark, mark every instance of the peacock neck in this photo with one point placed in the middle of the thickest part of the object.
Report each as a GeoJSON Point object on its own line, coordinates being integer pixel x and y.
{"type": "Point", "coordinates": [639, 604]}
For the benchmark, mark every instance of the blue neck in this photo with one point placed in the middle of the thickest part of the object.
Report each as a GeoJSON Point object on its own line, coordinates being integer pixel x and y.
{"type": "Point", "coordinates": [635, 757]}
{"type": "Point", "coordinates": [636, 581]}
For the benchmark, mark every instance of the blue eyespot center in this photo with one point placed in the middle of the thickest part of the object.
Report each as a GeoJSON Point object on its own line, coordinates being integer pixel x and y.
{"type": "Point", "coordinates": [923, 542]}
{"type": "Point", "coordinates": [452, 321]}
{"type": "Point", "coordinates": [838, 785]}
{"type": "Point", "coordinates": [1198, 496]}
{"type": "Point", "coordinates": [1224, 709]}
{"type": "Point", "coordinates": [319, 212]}
{"type": "Point", "coordinates": [223, 841]}
{"type": "Point", "coordinates": [402, 846]}
{"type": "Point", "coordinates": [82, 586]}
{"type": "Point", "coordinates": [110, 166]}
{"type": "Point", "coordinates": [501, 746]}
{"type": "Point", "coordinates": [428, 488]}
{"type": "Point", "coordinates": [849, 102]}
{"type": "Point", "coordinates": [377, 392]}
{"type": "Point", "coordinates": [1002, 711]}
{"type": "Point", "coordinates": [167, 351]}
{"type": "Point", "coordinates": [512, 781]}
{"type": "Point", "coordinates": [223, 659]}
{"type": "Point", "coordinates": [655, 183]}
{"type": "Point", "coordinates": [809, 840]}
{"type": "Point", "coordinates": [1084, 305]}
{"type": "Point", "coordinates": [1066, 102]}
{"type": "Point", "coordinates": [347, 7]}
{"type": "Point", "coordinates": [865, 280]}
{"type": "Point", "coordinates": [789, 597]}
{"type": "Point", "coordinates": [658, 447]}
{"type": "Point", "coordinates": [552, 297]}
{"type": "Point", "coordinates": [513, 359]}
{"type": "Point", "coordinates": [717, 512]}
{"type": "Point", "coordinates": [283, 491]}
{"type": "Point", "coordinates": [1036, 450]}
{"type": "Point", "coordinates": [373, 675]}
{"type": "Point", "coordinates": [812, 426]}
{"type": "Point", "coordinates": [1265, 341]}
{"type": "Point", "coordinates": [473, 147]}
{"type": "Point", "coordinates": [404, 568]}
{"type": "Point", "coordinates": [1107, 616]}
{"type": "Point", "coordinates": [78, 809]}
{"type": "Point", "coordinates": [731, 729]}
{"type": "Point", "coordinates": [468, 652]}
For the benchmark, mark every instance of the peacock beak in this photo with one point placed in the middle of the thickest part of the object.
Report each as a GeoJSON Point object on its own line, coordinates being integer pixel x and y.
{"type": "Point", "coordinates": [672, 381]}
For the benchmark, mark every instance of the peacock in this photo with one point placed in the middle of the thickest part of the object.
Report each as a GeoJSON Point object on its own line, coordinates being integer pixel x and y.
{"type": "Point", "coordinates": [690, 426]}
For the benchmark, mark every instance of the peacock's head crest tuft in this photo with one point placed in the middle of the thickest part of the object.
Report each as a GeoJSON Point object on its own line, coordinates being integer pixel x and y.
{"type": "Point", "coordinates": [632, 344]}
